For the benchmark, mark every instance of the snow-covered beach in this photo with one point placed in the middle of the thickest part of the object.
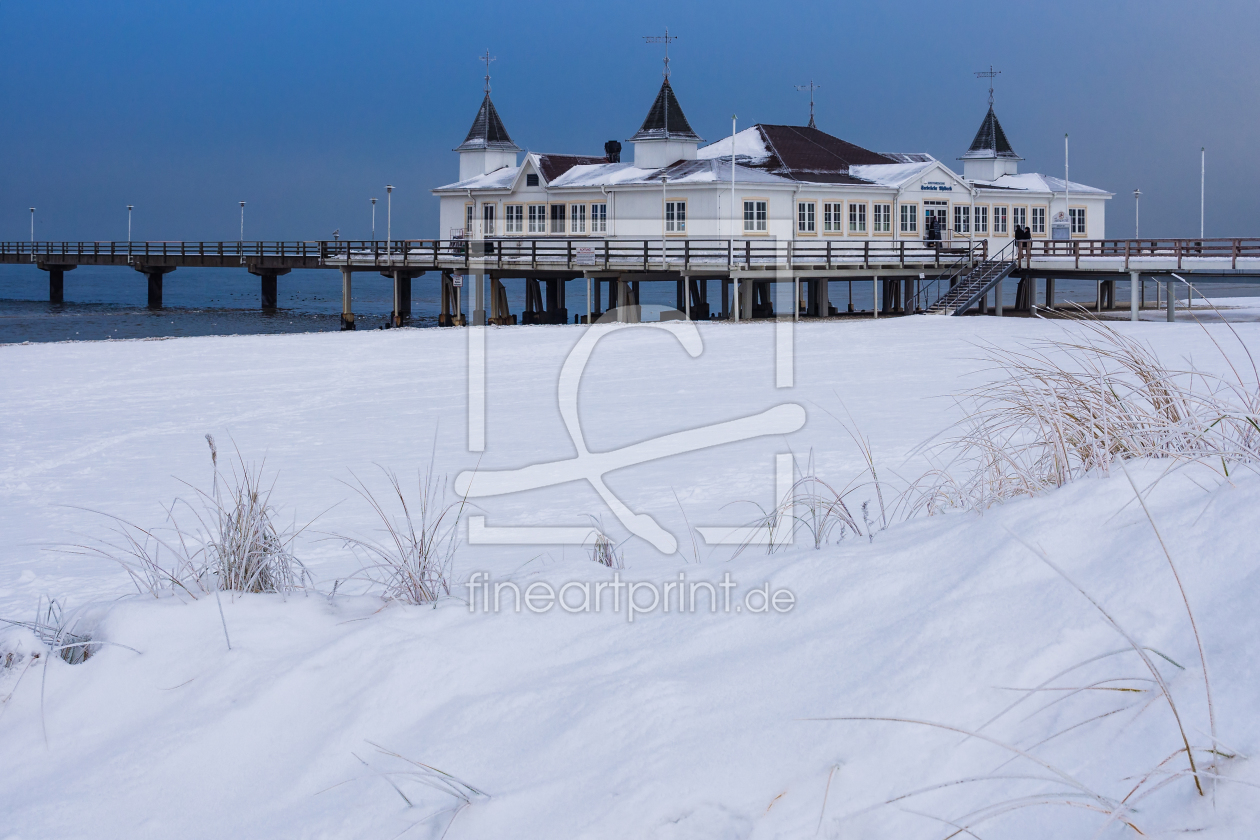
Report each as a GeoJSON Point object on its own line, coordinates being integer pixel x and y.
{"type": "Point", "coordinates": [676, 725]}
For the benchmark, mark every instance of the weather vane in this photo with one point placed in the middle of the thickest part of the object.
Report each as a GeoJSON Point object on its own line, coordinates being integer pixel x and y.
{"type": "Point", "coordinates": [811, 87]}
{"type": "Point", "coordinates": [487, 58]}
{"type": "Point", "coordinates": [662, 39]}
{"type": "Point", "coordinates": [989, 74]}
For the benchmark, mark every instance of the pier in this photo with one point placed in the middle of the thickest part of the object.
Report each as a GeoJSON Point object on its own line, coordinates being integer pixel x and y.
{"type": "Point", "coordinates": [907, 276]}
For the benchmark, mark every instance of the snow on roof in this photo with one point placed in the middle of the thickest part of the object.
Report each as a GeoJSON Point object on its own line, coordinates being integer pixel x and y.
{"type": "Point", "coordinates": [748, 144]}
{"type": "Point", "coordinates": [681, 172]}
{"type": "Point", "coordinates": [499, 179]}
{"type": "Point", "coordinates": [891, 174]}
{"type": "Point", "coordinates": [1036, 182]}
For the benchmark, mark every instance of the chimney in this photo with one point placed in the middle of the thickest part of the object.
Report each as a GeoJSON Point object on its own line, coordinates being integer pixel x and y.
{"type": "Point", "coordinates": [612, 151]}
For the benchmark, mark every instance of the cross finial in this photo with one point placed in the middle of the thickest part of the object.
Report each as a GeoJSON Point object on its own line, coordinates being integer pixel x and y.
{"type": "Point", "coordinates": [811, 87]}
{"type": "Point", "coordinates": [665, 39]}
{"type": "Point", "coordinates": [989, 74]}
{"type": "Point", "coordinates": [487, 58]}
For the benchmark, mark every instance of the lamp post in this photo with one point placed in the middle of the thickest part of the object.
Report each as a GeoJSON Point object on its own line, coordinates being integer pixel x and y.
{"type": "Point", "coordinates": [1202, 176]}
{"type": "Point", "coordinates": [129, 207]}
{"type": "Point", "coordinates": [1137, 214]}
{"type": "Point", "coordinates": [373, 219]}
{"type": "Point", "coordinates": [32, 225]}
{"type": "Point", "coordinates": [389, 215]}
{"type": "Point", "coordinates": [242, 239]}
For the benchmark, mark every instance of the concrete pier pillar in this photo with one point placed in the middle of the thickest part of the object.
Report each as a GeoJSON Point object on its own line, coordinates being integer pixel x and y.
{"type": "Point", "coordinates": [997, 299]}
{"type": "Point", "coordinates": [57, 281]}
{"type": "Point", "coordinates": [1135, 294]}
{"type": "Point", "coordinates": [268, 297]}
{"type": "Point", "coordinates": [746, 299]}
{"type": "Point", "coordinates": [154, 274]}
{"type": "Point", "coordinates": [347, 308]}
{"type": "Point", "coordinates": [402, 298]}
{"type": "Point", "coordinates": [1049, 293]}
{"type": "Point", "coordinates": [269, 291]}
{"type": "Point", "coordinates": [1170, 292]}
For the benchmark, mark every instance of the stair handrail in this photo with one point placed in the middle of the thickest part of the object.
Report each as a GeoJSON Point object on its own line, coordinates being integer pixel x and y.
{"type": "Point", "coordinates": [963, 265]}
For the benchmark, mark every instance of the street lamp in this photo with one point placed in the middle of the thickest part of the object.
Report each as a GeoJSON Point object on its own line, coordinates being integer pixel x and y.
{"type": "Point", "coordinates": [129, 222]}
{"type": "Point", "coordinates": [242, 239]}
{"type": "Point", "coordinates": [32, 225]}
{"type": "Point", "coordinates": [1137, 213]}
{"type": "Point", "coordinates": [389, 215]}
{"type": "Point", "coordinates": [373, 220]}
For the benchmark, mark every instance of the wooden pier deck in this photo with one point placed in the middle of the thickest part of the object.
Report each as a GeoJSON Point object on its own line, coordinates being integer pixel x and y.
{"type": "Point", "coordinates": [928, 269]}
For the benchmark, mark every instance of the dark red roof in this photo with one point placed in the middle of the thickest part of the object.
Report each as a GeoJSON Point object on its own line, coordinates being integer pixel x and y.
{"type": "Point", "coordinates": [553, 166]}
{"type": "Point", "coordinates": [807, 154]}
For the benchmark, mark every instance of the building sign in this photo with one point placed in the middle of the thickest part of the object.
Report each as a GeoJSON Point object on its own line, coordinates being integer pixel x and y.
{"type": "Point", "coordinates": [584, 255]}
{"type": "Point", "coordinates": [457, 280]}
{"type": "Point", "coordinates": [936, 186]}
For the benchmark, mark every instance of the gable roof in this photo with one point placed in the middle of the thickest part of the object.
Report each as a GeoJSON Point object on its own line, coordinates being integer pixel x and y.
{"type": "Point", "coordinates": [666, 120]}
{"type": "Point", "coordinates": [797, 152]}
{"type": "Point", "coordinates": [487, 131]}
{"type": "Point", "coordinates": [990, 141]}
{"type": "Point", "coordinates": [553, 166]}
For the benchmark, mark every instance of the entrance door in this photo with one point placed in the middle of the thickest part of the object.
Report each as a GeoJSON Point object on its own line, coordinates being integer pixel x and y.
{"type": "Point", "coordinates": [936, 220]}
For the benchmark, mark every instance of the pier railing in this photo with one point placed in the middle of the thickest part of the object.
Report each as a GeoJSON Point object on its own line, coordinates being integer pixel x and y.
{"type": "Point", "coordinates": [650, 254]}
{"type": "Point", "coordinates": [83, 250]}
{"type": "Point", "coordinates": [1170, 249]}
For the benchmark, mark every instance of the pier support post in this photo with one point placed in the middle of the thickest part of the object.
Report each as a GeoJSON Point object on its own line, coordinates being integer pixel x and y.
{"type": "Point", "coordinates": [269, 292]}
{"type": "Point", "coordinates": [1049, 293]}
{"type": "Point", "coordinates": [267, 275]}
{"type": "Point", "coordinates": [1135, 294]}
{"type": "Point", "coordinates": [875, 296]}
{"type": "Point", "coordinates": [347, 310]}
{"type": "Point", "coordinates": [154, 275]}
{"type": "Point", "coordinates": [57, 281]}
{"type": "Point", "coordinates": [1170, 292]}
{"type": "Point", "coordinates": [401, 313]}
{"type": "Point", "coordinates": [997, 299]}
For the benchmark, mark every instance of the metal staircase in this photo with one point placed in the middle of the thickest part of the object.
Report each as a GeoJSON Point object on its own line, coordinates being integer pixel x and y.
{"type": "Point", "coordinates": [971, 287]}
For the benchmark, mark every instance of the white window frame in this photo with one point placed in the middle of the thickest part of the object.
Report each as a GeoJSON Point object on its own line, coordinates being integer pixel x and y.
{"type": "Point", "coordinates": [833, 217]}
{"type": "Point", "coordinates": [1076, 214]}
{"type": "Point", "coordinates": [962, 218]}
{"type": "Point", "coordinates": [756, 215]}
{"type": "Point", "coordinates": [489, 218]}
{"type": "Point", "coordinates": [537, 218]}
{"type": "Point", "coordinates": [1019, 216]}
{"type": "Point", "coordinates": [1037, 220]}
{"type": "Point", "coordinates": [577, 218]}
{"type": "Point", "coordinates": [857, 218]}
{"type": "Point", "coordinates": [1001, 220]}
{"type": "Point", "coordinates": [514, 218]}
{"type": "Point", "coordinates": [881, 218]}
{"type": "Point", "coordinates": [980, 219]}
{"type": "Point", "coordinates": [470, 213]}
{"type": "Point", "coordinates": [676, 216]}
{"type": "Point", "coordinates": [807, 218]}
{"type": "Point", "coordinates": [910, 219]}
{"type": "Point", "coordinates": [559, 222]}
{"type": "Point", "coordinates": [599, 218]}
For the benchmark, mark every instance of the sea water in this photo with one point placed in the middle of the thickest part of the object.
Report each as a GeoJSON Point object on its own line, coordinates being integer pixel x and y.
{"type": "Point", "coordinates": [103, 302]}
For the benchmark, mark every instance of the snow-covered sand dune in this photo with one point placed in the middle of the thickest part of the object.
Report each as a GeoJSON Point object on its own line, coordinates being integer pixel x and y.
{"type": "Point", "coordinates": [676, 725]}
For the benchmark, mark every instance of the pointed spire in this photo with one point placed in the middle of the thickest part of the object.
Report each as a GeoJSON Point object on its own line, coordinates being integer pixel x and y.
{"type": "Point", "coordinates": [487, 131]}
{"type": "Point", "coordinates": [666, 120]}
{"type": "Point", "coordinates": [990, 141]}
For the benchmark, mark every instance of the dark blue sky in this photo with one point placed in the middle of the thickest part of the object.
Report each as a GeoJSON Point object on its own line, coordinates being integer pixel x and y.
{"type": "Point", "coordinates": [307, 109]}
